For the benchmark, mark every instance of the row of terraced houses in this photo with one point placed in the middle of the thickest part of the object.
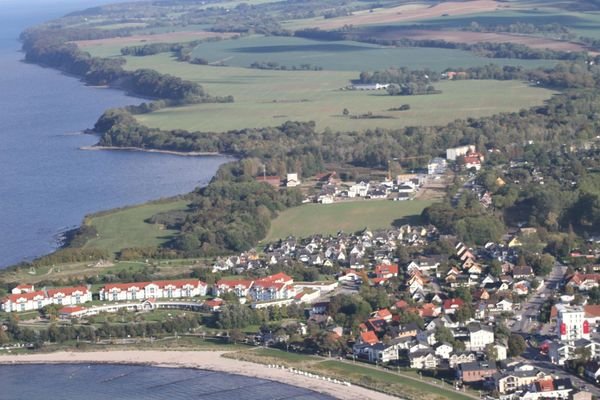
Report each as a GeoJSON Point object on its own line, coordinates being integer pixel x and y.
{"type": "Point", "coordinates": [273, 288]}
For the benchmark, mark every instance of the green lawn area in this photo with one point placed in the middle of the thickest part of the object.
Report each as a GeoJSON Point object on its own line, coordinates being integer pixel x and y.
{"type": "Point", "coordinates": [347, 216]}
{"type": "Point", "coordinates": [285, 356]}
{"type": "Point", "coordinates": [370, 377]}
{"type": "Point", "coordinates": [269, 98]}
{"type": "Point", "coordinates": [127, 228]}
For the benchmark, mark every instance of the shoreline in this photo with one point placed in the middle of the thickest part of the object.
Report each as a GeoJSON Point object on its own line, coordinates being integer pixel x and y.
{"type": "Point", "coordinates": [205, 360]}
{"type": "Point", "coordinates": [171, 152]}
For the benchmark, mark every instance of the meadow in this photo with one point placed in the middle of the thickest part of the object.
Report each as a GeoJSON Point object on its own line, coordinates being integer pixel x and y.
{"type": "Point", "coordinates": [341, 55]}
{"type": "Point", "coordinates": [269, 98]}
{"type": "Point", "coordinates": [127, 227]}
{"type": "Point", "coordinates": [348, 216]}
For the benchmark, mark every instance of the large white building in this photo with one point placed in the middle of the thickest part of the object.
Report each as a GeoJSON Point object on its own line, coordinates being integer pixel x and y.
{"type": "Point", "coordinates": [437, 166]}
{"type": "Point", "coordinates": [153, 290]}
{"type": "Point", "coordinates": [572, 323]}
{"type": "Point", "coordinates": [455, 152]}
{"type": "Point", "coordinates": [26, 298]}
{"type": "Point", "coordinates": [479, 337]}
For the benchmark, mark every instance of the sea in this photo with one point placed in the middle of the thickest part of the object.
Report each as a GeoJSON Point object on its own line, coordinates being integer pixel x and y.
{"type": "Point", "coordinates": [47, 183]}
{"type": "Point", "coordinates": [129, 382]}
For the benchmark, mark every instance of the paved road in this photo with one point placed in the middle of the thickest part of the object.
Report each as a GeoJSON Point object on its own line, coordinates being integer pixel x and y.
{"type": "Point", "coordinates": [530, 310]}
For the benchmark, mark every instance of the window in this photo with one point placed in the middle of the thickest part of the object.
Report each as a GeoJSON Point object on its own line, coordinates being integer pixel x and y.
{"type": "Point", "coordinates": [169, 292]}
{"type": "Point", "coordinates": [22, 306]}
{"type": "Point", "coordinates": [133, 294]}
{"type": "Point", "coordinates": [78, 299]}
{"type": "Point", "coordinates": [115, 296]}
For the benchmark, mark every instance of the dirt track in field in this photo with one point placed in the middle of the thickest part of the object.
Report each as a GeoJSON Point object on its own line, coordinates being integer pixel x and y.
{"type": "Point", "coordinates": [408, 13]}
{"type": "Point", "coordinates": [171, 37]}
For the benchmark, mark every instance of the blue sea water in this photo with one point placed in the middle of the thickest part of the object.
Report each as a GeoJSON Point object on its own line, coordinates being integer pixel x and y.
{"type": "Point", "coordinates": [47, 184]}
{"type": "Point", "coordinates": [126, 382]}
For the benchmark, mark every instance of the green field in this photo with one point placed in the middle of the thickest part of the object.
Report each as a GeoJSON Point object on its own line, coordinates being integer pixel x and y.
{"type": "Point", "coordinates": [342, 55]}
{"type": "Point", "coordinates": [269, 98]}
{"type": "Point", "coordinates": [371, 377]}
{"type": "Point", "coordinates": [348, 216]}
{"type": "Point", "coordinates": [126, 228]}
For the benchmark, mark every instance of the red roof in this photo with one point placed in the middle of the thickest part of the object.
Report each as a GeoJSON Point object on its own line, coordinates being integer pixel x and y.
{"type": "Point", "coordinates": [453, 303]}
{"type": "Point", "coordinates": [400, 304]}
{"type": "Point", "coordinates": [546, 385]}
{"type": "Point", "coordinates": [24, 286]}
{"type": "Point", "coordinates": [231, 283]}
{"type": "Point", "coordinates": [369, 337]}
{"type": "Point", "coordinates": [161, 284]}
{"type": "Point", "coordinates": [13, 298]}
{"type": "Point", "coordinates": [70, 309]}
{"type": "Point", "coordinates": [383, 313]}
{"type": "Point", "coordinates": [592, 311]}
{"type": "Point", "coordinates": [67, 291]}
{"type": "Point", "coordinates": [385, 269]}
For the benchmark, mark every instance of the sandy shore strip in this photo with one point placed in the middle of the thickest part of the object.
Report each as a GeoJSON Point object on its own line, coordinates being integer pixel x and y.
{"type": "Point", "coordinates": [207, 360]}
{"type": "Point", "coordinates": [174, 153]}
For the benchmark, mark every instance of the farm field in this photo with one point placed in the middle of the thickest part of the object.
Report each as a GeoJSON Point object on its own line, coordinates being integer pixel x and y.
{"type": "Point", "coordinates": [317, 98]}
{"type": "Point", "coordinates": [581, 23]}
{"type": "Point", "coordinates": [348, 216]}
{"type": "Point", "coordinates": [342, 55]}
{"type": "Point", "coordinates": [111, 47]}
{"type": "Point", "coordinates": [405, 12]}
{"type": "Point", "coordinates": [127, 228]}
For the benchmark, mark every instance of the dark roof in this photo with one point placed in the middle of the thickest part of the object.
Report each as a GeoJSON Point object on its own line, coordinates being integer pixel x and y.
{"type": "Point", "coordinates": [478, 366]}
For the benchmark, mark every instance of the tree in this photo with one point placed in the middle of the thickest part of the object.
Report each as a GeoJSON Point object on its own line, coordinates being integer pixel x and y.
{"type": "Point", "coordinates": [346, 111]}
{"type": "Point", "coordinates": [491, 352]}
{"type": "Point", "coordinates": [516, 345]}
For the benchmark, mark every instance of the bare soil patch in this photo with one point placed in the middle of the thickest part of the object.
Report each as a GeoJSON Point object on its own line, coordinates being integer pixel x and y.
{"type": "Point", "coordinates": [409, 13]}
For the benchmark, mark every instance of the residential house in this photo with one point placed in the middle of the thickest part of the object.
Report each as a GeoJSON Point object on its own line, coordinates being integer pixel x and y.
{"type": "Point", "coordinates": [423, 359]}
{"type": "Point", "coordinates": [241, 287]}
{"type": "Point", "coordinates": [476, 371]}
{"type": "Point", "coordinates": [479, 337]}
{"type": "Point", "coordinates": [437, 166]}
{"type": "Point", "coordinates": [70, 296]}
{"type": "Point", "coordinates": [456, 359]}
{"type": "Point", "coordinates": [517, 378]}
{"type": "Point", "coordinates": [443, 350]}
{"type": "Point", "coordinates": [548, 388]}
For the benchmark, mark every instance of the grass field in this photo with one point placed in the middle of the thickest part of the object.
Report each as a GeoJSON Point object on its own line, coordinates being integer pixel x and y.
{"type": "Point", "coordinates": [126, 228]}
{"type": "Point", "coordinates": [383, 380]}
{"type": "Point", "coordinates": [348, 216]}
{"type": "Point", "coordinates": [341, 55]}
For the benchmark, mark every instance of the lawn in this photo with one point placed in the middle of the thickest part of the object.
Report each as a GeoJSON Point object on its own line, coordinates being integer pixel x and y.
{"type": "Point", "coordinates": [347, 216]}
{"type": "Point", "coordinates": [370, 377]}
{"type": "Point", "coordinates": [127, 228]}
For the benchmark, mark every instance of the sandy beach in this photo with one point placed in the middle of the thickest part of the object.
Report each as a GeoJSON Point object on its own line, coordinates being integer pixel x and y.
{"type": "Point", "coordinates": [207, 360]}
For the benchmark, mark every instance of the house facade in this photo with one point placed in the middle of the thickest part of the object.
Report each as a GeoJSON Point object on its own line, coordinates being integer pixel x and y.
{"type": "Point", "coordinates": [153, 290]}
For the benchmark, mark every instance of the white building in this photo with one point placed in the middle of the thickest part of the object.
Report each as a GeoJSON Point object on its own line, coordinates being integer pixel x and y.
{"type": "Point", "coordinates": [455, 152]}
{"type": "Point", "coordinates": [479, 337]}
{"type": "Point", "coordinates": [274, 287]}
{"type": "Point", "coordinates": [153, 290]}
{"type": "Point", "coordinates": [437, 166]}
{"type": "Point", "coordinates": [292, 180]}
{"type": "Point", "coordinates": [571, 322]}
{"type": "Point", "coordinates": [26, 298]}
{"type": "Point", "coordinates": [359, 190]}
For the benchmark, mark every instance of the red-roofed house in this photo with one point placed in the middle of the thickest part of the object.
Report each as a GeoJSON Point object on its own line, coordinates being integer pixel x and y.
{"type": "Point", "coordinates": [23, 289]}
{"type": "Point", "coordinates": [214, 304]}
{"type": "Point", "coordinates": [70, 296]}
{"type": "Point", "coordinates": [273, 287]}
{"type": "Point", "coordinates": [386, 271]}
{"type": "Point", "coordinates": [584, 282]}
{"type": "Point", "coordinates": [71, 312]}
{"type": "Point", "coordinates": [25, 301]}
{"type": "Point", "coordinates": [369, 337]}
{"type": "Point", "coordinates": [451, 305]}
{"type": "Point", "coordinates": [384, 314]}
{"type": "Point", "coordinates": [241, 287]}
{"type": "Point", "coordinates": [153, 290]}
